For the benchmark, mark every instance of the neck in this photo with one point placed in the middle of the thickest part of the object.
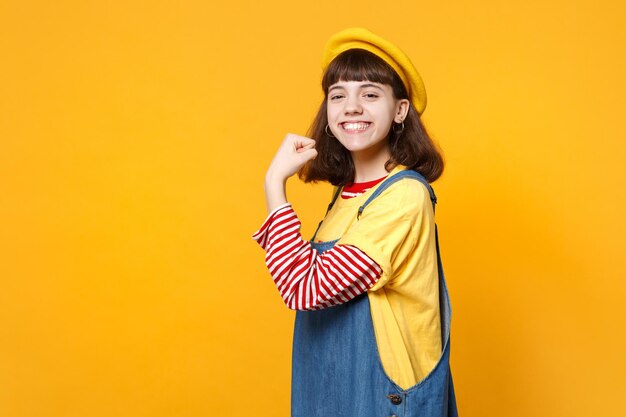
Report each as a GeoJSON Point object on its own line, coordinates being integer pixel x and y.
{"type": "Point", "coordinates": [369, 164]}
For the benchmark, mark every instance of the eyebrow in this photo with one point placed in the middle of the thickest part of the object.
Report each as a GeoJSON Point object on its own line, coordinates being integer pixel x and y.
{"type": "Point", "coordinates": [361, 86]}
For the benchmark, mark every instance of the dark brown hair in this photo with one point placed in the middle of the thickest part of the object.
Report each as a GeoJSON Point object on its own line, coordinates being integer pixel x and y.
{"type": "Point", "coordinates": [413, 147]}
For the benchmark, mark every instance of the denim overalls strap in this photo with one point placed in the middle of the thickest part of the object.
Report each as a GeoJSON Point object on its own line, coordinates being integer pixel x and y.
{"type": "Point", "coordinates": [332, 203]}
{"type": "Point", "coordinates": [337, 370]}
{"type": "Point", "coordinates": [407, 173]}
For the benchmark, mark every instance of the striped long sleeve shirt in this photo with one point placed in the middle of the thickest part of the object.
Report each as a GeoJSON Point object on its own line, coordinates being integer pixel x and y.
{"type": "Point", "coordinates": [305, 278]}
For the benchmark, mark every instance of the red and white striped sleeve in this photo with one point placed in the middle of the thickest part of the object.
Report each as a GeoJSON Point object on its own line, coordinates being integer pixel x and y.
{"type": "Point", "coordinates": [305, 278]}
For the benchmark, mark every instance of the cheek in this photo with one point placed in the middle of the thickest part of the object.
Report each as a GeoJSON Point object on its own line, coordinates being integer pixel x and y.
{"type": "Point", "coordinates": [386, 116]}
{"type": "Point", "coordinates": [331, 114]}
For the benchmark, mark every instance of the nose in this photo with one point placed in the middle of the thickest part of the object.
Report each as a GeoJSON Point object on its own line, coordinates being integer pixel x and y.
{"type": "Point", "coordinates": [353, 105]}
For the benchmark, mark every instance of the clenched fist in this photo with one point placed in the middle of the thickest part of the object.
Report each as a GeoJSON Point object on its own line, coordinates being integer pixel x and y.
{"type": "Point", "coordinates": [293, 153]}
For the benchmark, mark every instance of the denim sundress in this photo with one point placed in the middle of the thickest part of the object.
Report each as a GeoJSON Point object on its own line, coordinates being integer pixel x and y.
{"type": "Point", "coordinates": [336, 367]}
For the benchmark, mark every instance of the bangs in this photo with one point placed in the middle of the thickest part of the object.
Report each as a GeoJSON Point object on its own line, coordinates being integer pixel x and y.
{"type": "Point", "coordinates": [362, 65]}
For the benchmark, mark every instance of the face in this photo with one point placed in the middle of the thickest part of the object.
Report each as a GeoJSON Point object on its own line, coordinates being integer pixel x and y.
{"type": "Point", "coordinates": [360, 115]}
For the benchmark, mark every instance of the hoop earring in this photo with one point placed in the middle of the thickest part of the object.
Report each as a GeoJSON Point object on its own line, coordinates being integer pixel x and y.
{"type": "Point", "coordinates": [326, 130]}
{"type": "Point", "coordinates": [395, 128]}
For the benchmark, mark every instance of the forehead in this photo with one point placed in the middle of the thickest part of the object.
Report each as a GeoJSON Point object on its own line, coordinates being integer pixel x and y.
{"type": "Point", "coordinates": [341, 84]}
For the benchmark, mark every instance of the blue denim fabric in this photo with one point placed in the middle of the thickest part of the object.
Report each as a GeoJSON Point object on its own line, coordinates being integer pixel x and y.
{"type": "Point", "coordinates": [337, 369]}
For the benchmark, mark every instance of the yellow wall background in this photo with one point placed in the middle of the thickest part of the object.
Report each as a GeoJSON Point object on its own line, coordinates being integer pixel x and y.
{"type": "Point", "coordinates": [133, 142]}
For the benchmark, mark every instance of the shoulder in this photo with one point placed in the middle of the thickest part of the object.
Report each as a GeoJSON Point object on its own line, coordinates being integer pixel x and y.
{"type": "Point", "coordinates": [407, 197]}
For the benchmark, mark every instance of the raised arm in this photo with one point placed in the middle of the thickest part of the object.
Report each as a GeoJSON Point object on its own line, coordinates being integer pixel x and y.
{"type": "Point", "coordinates": [305, 278]}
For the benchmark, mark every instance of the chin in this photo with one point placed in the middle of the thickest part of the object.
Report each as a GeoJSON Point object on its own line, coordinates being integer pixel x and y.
{"type": "Point", "coordinates": [352, 147]}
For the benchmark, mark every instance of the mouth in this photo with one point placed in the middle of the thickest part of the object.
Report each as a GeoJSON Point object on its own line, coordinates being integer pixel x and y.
{"type": "Point", "coordinates": [354, 127]}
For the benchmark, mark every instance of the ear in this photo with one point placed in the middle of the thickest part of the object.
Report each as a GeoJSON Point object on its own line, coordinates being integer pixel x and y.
{"type": "Point", "coordinates": [402, 109]}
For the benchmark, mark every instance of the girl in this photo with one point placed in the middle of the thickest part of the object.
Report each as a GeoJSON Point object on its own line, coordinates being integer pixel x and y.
{"type": "Point", "coordinates": [371, 337]}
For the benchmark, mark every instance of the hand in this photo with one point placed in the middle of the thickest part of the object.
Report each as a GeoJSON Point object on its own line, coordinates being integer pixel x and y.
{"type": "Point", "coordinates": [293, 153]}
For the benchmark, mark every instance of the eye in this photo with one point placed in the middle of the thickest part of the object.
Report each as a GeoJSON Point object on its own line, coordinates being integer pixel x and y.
{"type": "Point", "coordinates": [336, 96]}
{"type": "Point", "coordinates": [371, 95]}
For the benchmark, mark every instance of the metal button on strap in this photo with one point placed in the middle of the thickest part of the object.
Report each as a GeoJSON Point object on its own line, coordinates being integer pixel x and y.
{"type": "Point", "coordinates": [395, 399]}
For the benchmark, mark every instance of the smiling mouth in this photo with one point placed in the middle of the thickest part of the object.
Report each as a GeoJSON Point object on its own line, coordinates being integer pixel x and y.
{"type": "Point", "coordinates": [355, 126]}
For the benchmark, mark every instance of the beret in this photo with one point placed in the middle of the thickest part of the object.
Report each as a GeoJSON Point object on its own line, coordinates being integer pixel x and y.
{"type": "Point", "coordinates": [361, 38]}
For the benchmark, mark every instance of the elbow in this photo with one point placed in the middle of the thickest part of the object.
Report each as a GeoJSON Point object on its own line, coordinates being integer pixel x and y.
{"type": "Point", "coordinates": [292, 304]}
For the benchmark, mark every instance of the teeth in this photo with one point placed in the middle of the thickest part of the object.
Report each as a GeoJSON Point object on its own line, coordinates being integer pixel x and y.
{"type": "Point", "coordinates": [355, 126]}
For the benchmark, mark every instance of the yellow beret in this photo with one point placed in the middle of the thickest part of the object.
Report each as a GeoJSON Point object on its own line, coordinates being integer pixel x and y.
{"type": "Point", "coordinates": [360, 38]}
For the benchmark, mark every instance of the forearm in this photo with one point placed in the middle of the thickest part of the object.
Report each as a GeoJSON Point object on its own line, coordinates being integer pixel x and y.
{"type": "Point", "coordinates": [275, 194]}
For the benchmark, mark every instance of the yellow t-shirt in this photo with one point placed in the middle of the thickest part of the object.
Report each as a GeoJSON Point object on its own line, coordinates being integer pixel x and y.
{"type": "Point", "coordinates": [397, 230]}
